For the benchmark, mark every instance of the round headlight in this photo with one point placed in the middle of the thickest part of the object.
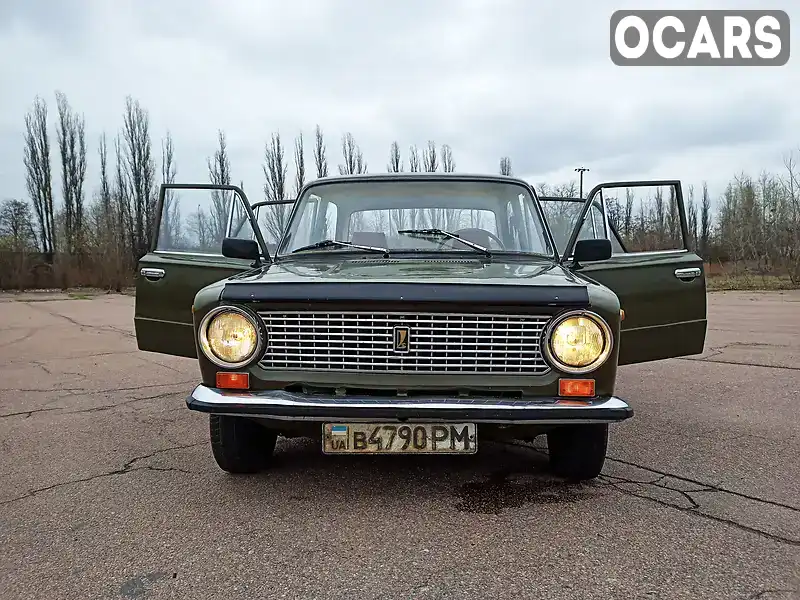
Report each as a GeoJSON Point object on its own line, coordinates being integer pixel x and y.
{"type": "Point", "coordinates": [229, 337]}
{"type": "Point", "coordinates": [579, 342]}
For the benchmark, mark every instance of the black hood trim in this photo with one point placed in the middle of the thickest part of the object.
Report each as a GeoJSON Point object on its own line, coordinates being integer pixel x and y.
{"type": "Point", "coordinates": [495, 295]}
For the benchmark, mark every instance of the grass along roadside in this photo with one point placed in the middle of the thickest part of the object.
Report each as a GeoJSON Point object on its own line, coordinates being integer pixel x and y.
{"type": "Point", "coordinates": [748, 282]}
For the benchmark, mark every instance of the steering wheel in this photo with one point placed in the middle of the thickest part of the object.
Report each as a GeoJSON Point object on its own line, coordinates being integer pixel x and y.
{"type": "Point", "coordinates": [472, 230]}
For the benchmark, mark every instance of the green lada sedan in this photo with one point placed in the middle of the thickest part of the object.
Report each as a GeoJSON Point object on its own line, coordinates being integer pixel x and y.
{"type": "Point", "coordinates": [419, 313]}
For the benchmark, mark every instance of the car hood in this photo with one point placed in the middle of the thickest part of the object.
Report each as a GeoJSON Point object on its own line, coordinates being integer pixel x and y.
{"type": "Point", "coordinates": [410, 280]}
{"type": "Point", "coordinates": [426, 271]}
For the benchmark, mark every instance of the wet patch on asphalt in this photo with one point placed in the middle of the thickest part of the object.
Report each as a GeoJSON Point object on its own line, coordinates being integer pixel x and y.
{"type": "Point", "coordinates": [502, 491]}
{"type": "Point", "coordinates": [138, 587]}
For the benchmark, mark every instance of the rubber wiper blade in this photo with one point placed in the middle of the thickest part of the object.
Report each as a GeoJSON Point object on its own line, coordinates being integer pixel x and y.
{"type": "Point", "coordinates": [340, 244]}
{"type": "Point", "coordinates": [433, 232]}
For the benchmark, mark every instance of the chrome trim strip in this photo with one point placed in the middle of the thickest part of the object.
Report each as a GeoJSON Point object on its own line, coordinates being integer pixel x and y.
{"type": "Point", "coordinates": [282, 399]}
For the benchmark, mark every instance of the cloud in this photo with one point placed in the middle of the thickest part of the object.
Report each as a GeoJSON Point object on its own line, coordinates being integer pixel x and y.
{"type": "Point", "coordinates": [529, 80]}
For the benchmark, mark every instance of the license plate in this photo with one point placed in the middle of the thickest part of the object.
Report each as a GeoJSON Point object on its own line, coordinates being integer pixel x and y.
{"type": "Point", "coordinates": [399, 438]}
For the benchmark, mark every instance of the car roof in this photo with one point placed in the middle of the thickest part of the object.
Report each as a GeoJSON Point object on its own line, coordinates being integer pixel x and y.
{"type": "Point", "coordinates": [420, 176]}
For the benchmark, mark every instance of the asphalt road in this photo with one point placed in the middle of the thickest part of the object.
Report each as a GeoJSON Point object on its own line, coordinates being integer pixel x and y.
{"type": "Point", "coordinates": [109, 489]}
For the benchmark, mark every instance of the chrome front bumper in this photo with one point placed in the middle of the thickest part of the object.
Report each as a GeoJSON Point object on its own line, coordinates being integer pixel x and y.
{"type": "Point", "coordinates": [281, 405]}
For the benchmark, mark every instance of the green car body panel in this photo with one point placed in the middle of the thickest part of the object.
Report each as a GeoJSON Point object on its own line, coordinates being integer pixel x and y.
{"type": "Point", "coordinates": [543, 276]}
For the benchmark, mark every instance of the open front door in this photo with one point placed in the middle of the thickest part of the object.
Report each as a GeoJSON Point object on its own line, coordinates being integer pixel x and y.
{"type": "Point", "coordinates": [653, 270]}
{"type": "Point", "coordinates": [185, 256]}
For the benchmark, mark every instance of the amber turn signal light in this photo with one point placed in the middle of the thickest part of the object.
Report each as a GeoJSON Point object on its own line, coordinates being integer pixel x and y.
{"type": "Point", "coordinates": [233, 381]}
{"type": "Point", "coordinates": [571, 388]}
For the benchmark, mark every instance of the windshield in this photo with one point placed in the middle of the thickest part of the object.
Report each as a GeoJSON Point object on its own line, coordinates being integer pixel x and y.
{"type": "Point", "coordinates": [498, 216]}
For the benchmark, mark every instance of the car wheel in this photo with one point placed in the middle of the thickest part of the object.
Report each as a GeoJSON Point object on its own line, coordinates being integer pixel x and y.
{"type": "Point", "coordinates": [241, 445]}
{"type": "Point", "coordinates": [578, 452]}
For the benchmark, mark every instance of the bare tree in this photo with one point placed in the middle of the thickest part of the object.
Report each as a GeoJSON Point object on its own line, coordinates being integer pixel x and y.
{"type": "Point", "coordinates": [673, 219]}
{"type": "Point", "coordinates": [38, 176]}
{"type": "Point", "coordinates": [628, 222]}
{"type": "Point", "coordinates": [219, 173]}
{"type": "Point", "coordinates": [70, 133]}
{"type": "Point", "coordinates": [791, 188]}
{"type": "Point", "coordinates": [505, 167]}
{"type": "Point", "coordinates": [170, 211]}
{"type": "Point", "coordinates": [352, 155]}
{"type": "Point", "coordinates": [395, 162]}
{"type": "Point", "coordinates": [398, 216]}
{"type": "Point", "coordinates": [140, 172]}
{"type": "Point", "coordinates": [105, 184]}
{"type": "Point", "coordinates": [18, 239]}
{"type": "Point", "coordinates": [275, 216]}
{"type": "Point", "coordinates": [692, 220]}
{"type": "Point", "coordinates": [448, 164]}
{"type": "Point", "coordinates": [299, 165]}
{"type": "Point", "coordinates": [452, 216]}
{"type": "Point", "coordinates": [705, 223]}
{"type": "Point", "coordinates": [320, 160]}
{"type": "Point", "coordinates": [430, 159]}
{"type": "Point", "coordinates": [16, 226]}
{"type": "Point", "coordinates": [661, 227]}
{"type": "Point", "coordinates": [121, 194]}
{"type": "Point", "coordinates": [413, 159]}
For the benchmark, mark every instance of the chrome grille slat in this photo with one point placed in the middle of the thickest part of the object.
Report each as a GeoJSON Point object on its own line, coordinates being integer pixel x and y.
{"type": "Point", "coordinates": [440, 342]}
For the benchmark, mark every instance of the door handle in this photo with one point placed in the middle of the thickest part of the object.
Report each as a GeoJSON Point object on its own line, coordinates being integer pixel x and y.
{"type": "Point", "coordinates": [152, 274]}
{"type": "Point", "coordinates": [688, 274]}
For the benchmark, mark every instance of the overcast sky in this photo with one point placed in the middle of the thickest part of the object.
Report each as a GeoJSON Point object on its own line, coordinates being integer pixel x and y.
{"type": "Point", "coordinates": [531, 80]}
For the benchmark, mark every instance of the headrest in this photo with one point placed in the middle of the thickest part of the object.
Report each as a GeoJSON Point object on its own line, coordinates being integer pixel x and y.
{"type": "Point", "coordinates": [369, 238]}
{"type": "Point", "coordinates": [478, 236]}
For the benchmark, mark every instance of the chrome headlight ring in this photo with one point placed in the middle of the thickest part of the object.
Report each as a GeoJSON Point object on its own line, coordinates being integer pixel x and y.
{"type": "Point", "coordinates": [608, 339]}
{"type": "Point", "coordinates": [205, 346]}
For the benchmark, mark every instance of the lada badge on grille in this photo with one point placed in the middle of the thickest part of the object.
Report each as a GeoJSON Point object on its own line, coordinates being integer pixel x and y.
{"type": "Point", "coordinates": [402, 338]}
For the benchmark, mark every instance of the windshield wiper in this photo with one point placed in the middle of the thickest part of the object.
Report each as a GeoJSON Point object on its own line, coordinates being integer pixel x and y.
{"type": "Point", "coordinates": [443, 233]}
{"type": "Point", "coordinates": [340, 244]}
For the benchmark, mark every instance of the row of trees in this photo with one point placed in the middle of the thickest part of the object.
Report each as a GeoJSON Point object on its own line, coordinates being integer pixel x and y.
{"type": "Point", "coordinates": [757, 221]}
{"type": "Point", "coordinates": [124, 199]}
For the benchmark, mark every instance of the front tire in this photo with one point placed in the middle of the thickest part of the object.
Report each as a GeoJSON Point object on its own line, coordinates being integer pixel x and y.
{"type": "Point", "coordinates": [578, 452]}
{"type": "Point", "coordinates": [240, 445]}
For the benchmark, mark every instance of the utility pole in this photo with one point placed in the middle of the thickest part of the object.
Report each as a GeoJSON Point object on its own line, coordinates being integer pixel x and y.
{"type": "Point", "coordinates": [581, 170]}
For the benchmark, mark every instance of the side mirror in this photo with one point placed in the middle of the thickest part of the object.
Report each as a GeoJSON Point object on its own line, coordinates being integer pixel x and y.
{"type": "Point", "coordinates": [239, 248]}
{"type": "Point", "coordinates": [592, 250]}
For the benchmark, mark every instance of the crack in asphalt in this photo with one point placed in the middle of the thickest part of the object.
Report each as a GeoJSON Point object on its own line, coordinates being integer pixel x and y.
{"type": "Point", "coordinates": [26, 336]}
{"type": "Point", "coordinates": [26, 414]}
{"type": "Point", "coordinates": [83, 326]}
{"type": "Point", "coordinates": [119, 404]}
{"type": "Point", "coordinates": [694, 508]}
{"type": "Point", "coordinates": [711, 487]}
{"type": "Point", "coordinates": [615, 480]}
{"type": "Point", "coordinates": [75, 391]}
{"type": "Point", "coordinates": [762, 593]}
{"type": "Point", "coordinates": [72, 357]}
{"type": "Point", "coordinates": [126, 468]}
{"type": "Point", "coordinates": [694, 511]}
{"type": "Point", "coordinates": [737, 363]}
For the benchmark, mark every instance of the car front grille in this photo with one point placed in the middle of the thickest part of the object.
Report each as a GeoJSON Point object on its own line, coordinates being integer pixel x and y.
{"type": "Point", "coordinates": [437, 342]}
